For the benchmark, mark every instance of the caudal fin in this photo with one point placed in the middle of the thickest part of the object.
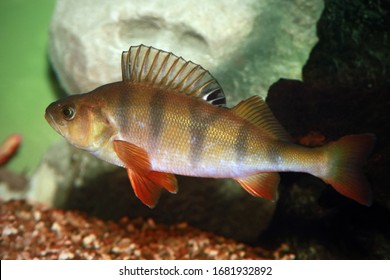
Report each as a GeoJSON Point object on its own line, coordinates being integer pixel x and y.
{"type": "Point", "coordinates": [346, 157]}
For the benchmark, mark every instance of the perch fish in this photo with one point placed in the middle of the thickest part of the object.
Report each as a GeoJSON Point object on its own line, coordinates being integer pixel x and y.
{"type": "Point", "coordinates": [168, 116]}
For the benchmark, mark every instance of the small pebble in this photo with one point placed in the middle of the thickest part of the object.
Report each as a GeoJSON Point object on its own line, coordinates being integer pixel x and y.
{"type": "Point", "coordinates": [9, 230]}
{"type": "Point", "coordinates": [56, 227]}
{"type": "Point", "coordinates": [66, 255]}
{"type": "Point", "coordinates": [88, 240]}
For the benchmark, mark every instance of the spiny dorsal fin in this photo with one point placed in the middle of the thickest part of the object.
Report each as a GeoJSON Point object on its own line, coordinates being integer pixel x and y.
{"type": "Point", "coordinates": [142, 64]}
{"type": "Point", "coordinates": [256, 111]}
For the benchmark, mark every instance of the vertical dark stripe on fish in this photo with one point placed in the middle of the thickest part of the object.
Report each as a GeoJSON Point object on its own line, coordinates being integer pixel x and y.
{"type": "Point", "coordinates": [241, 144]}
{"type": "Point", "coordinates": [156, 114]}
{"type": "Point", "coordinates": [273, 156]}
{"type": "Point", "coordinates": [198, 131]}
{"type": "Point", "coordinates": [123, 109]}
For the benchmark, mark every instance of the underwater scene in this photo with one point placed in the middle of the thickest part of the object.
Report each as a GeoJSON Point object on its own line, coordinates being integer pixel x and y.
{"type": "Point", "coordinates": [195, 129]}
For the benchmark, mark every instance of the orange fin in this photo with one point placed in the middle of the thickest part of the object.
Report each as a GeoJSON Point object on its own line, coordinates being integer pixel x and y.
{"type": "Point", "coordinates": [148, 187]}
{"type": "Point", "coordinates": [134, 157]}
{"type": "Point", "coordinates": [263, 184]}
{"type": "Point", "coordinates": [147, 184]}
{"type": "Point", "coordinates": [165, 180]}
{"type": "Point", "coordinates": [147, 191]}
{"type": "Point", "coordinates": [347, 155]}
{"type": "Point", "coordinates": [257, 112]}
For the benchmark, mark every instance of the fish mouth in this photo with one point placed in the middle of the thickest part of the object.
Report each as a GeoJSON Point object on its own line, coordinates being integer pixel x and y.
{"type": "Point", "coordinates": [50, 119]}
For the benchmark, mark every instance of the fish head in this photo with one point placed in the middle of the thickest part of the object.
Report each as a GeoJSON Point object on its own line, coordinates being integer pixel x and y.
{"type": "Point", "coordinates": [81, 120]}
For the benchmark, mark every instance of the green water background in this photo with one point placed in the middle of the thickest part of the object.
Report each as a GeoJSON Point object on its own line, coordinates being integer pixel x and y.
{"type": "Point", "coordinates": [25, 84]}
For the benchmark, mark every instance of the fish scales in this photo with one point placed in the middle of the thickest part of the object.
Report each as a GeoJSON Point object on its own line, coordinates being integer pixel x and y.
{"type": "Point", "coordinates": [196, 136]}
{"type": "Point", "coordinates": [168, 116]}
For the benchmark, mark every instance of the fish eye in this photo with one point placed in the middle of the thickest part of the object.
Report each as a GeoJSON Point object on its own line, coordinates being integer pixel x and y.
{"type": "Point", "coordinates": [68, 113]}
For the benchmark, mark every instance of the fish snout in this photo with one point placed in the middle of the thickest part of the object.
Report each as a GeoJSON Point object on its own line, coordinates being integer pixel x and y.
{"type": "Point", "coordinates": [52, 117]}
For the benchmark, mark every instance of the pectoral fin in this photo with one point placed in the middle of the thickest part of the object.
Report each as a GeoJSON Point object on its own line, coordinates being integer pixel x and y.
{"type": "Point", "coordinates": [262, 184]}
{"type": "Point", "coordinates": [147, 184]}
{"type": "Point", "coordinates": [134, 157]}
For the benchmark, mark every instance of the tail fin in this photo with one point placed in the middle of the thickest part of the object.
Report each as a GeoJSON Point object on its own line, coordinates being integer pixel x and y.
{"type": "Point", "coordinates": [346, 157]}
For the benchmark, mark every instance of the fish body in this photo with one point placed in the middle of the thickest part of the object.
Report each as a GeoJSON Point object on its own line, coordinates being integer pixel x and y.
{"type": "Point", "coordinates": [168, 116]}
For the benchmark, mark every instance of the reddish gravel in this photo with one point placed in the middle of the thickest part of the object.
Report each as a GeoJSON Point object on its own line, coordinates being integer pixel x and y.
{"type": "Point", "coordinates": [35, 232]}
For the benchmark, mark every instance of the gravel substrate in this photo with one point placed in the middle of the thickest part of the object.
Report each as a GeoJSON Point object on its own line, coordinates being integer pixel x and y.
{"type": "Point", "coordinates": [35, 232]}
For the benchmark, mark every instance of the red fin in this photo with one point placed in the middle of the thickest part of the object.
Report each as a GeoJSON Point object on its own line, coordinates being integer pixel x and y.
{"type": "Point", "coordinates": [347, 155]}
{"type": "Point", "coordinates": [147, 184]}
{"type": "Point", "coordinates": [134, 157]}
{"type": "Point", "coordinates": [262, 184]}
{"type": "Point", "coordinates": [147, 187]}
{"type": "Point", "coordinates": [165, 180]}
{"type": "Point", "coordinates": [146, 190]}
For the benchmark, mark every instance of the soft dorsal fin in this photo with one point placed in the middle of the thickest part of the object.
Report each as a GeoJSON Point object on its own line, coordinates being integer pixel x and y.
{"type": "Point", "coordinates": [142, 64]}
{"type": "Point", "coordinates": [256, 111]}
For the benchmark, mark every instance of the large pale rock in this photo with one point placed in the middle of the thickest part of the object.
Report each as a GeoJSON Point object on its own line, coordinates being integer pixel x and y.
{"type": "Point", "coordinates": [63, 169]}
{"type": "Point", "coordinates": [246, 44]}
{"type": "Point", "coordinates": [88, 36]}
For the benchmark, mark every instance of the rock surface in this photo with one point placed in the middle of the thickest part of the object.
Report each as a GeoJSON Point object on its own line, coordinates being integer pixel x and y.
{"type": "Point", "coordinates": [238, 41]}
{"type": "Point", "coordinates": [353, 48]}
{"type": "Point", "coordinates": [345, 90]}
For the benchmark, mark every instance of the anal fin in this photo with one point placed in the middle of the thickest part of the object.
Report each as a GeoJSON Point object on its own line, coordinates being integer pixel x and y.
{"type": "Point", "coordinates": [263, 184]}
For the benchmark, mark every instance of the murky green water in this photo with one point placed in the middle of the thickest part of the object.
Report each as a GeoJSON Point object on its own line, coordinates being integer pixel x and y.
{"type": "Point", "coordinates": [25, 88]}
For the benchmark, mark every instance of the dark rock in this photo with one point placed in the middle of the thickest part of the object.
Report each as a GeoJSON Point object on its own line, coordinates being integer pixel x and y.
{"type": "Point", "coordinates": [353, 48]}
{"type": "Point", "coordinates": [345, 90]}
